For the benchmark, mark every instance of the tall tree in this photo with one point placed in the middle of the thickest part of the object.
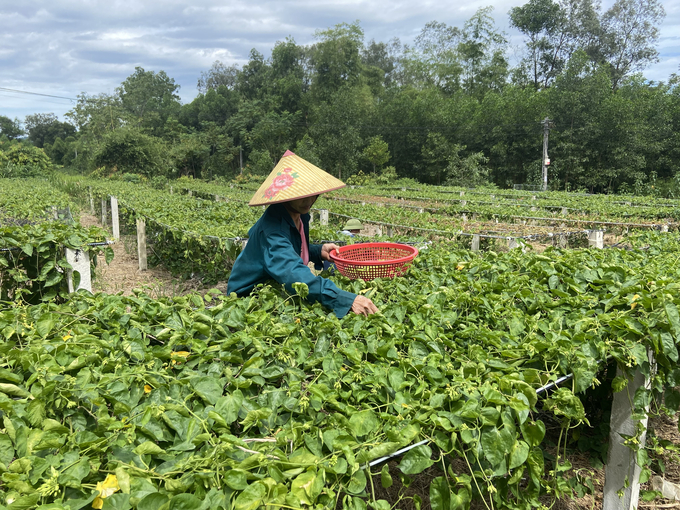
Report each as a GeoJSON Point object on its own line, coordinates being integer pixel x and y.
{"type": "Point", "coordinates": [44, 128]}
{"type": "Point", "coordinates": [150, 97]}
{"type": "Point", "coordinates": [554, 30]}
{"type": "Point", "coordinates": [630, 33]}
{"type": "Point", "coordinates": [218, 75]}
{"type": "Point", "coordinates": [336, 58]}
{"type": "Point", "coordinates": [10, 128]}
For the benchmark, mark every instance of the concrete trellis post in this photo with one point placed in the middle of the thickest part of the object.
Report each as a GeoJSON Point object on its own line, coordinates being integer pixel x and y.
{"type": "Point", "coordinates": [596, 239]}
{"type": "Point", "coordinates": [190, 193]}
{"type": "Point", "coordinates": [115, 222]}
{"type": "Point", "coordinates": [89, 191]}
{"type": "Point", "coordinates": [80, 262]}
{"type": "Point", "coordinates": [564, 211]}
{"type": "Point", "coordinates": [171, 190]}
{"type": "Point", "coordinates": [323, 217]}
{"type": "Point", "coordinates": [462, 193]}
{"type": "Point", "coordinates": [244, 243]}
{"type": "Point", "coordinates": [311, 217]}
{"type": "Point", "coordinates": [533, 209]}
{"type": "Point", "coordinates": [622, 473]}
{"type": "Point", "coordinates": [664, 228]}
{"type": "Point", "coordinates": [103, 212]}
{"type": "Point", "coordinates": [141, 244]}
{"type": "Point", "coordinates": [475, 242]}
{"type": "Point", "coordinates": [464, 218]}
{"type": "Point", "coordinates": [390, 231]}
{"type": "Point", "coordinates": [421, 210]}
{"type": "Point", "coordinates": [379, 230]}
{"type": "Point", "coordinates": [513, 243]}
{"type": "Point", "coordinates": [463, 203]}
{"type": "Point", "coordinates": [562, 241]}
{"type": "Point", "coordinates": [55, 212]}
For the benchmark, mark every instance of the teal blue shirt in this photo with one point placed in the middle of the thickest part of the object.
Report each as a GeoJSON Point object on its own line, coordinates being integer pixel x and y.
{"type": "Point", "coordinates": [273, 253]}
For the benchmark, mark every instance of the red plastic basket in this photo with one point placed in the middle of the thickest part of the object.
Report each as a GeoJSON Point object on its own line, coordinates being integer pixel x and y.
{"type": "Point", "coordinates": [373, 260]}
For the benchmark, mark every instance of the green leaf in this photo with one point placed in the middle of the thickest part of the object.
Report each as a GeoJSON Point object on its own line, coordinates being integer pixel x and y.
{"type": "Point", "coordinates": [208, 388]}
{"type": "Point", "coordinates": [184, 502]}
{"type": "Point", "coordinates": [108, 254]}
{"type": "Point", "coordinates": [251, 497]}
{"type": "Point", "coordinates": [440, 494]}
{"type": "Point", "coordinates": [385, 477]}
{"type": "Point", "coordinates": [518, 454]}
{"type": "Point", "coordinates": [45, 324]}
{"type": "Point", "coordinates": [229, 406]}
{"type": "Point", "coordinates": [6, 449]}
{"type": "Point", "coordinates": [236, 479]}
{"type": "Point", "coordinates": [363, 423]}
{"type": "Point", "coordinates": [152, 501]}
{"type": "Point", "coordinates": [72, 476]}
{"type": "Point", "coordinates": [533, 432]}
{"type": "Point", "coordinates": [148, 448]}
{"type": "Point", "coordinates": [24, 502]}
{"type": "Point", "coordinates": [416, 460]}
{"type": "Point", "coordinates": [117, 502]}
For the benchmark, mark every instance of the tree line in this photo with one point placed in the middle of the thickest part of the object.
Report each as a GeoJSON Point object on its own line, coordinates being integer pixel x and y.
{"type": "Point", "coordinates": [449, 108]}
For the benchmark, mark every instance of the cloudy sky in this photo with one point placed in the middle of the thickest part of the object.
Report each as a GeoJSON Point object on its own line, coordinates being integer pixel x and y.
{"type": "Point", "coordinates": [66, 47]}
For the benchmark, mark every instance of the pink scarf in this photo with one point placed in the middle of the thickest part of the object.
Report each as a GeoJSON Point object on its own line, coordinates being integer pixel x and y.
{"type": "Point", "coordinates": [305, 248]}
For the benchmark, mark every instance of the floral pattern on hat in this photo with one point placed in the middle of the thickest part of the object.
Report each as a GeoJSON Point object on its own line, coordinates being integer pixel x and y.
{"type": "Point", "coordinates": [283, 180]}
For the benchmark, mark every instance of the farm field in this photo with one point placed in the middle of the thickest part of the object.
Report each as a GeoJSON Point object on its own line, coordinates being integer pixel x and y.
{"type": "Point", "coordinates": [211, 401]}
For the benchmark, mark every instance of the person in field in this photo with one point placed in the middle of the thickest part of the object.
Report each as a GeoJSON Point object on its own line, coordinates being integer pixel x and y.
{"type": "Point", "coordinates": [278, 245]}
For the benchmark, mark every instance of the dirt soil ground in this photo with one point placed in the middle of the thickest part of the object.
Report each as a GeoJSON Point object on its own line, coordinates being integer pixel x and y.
{"type": "Point", "coordinates": [123, 275]}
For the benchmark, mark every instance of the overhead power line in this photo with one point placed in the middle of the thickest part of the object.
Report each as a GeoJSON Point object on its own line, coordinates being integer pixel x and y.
{"type": "Point", "coordinates": [35, 93]}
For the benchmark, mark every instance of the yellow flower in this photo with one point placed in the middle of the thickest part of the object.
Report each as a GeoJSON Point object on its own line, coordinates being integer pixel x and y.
{"type": "Point", "coordinates": [105, 488]}
{"type": "Point", "coordinates": [66, 337]}
{"type": "Point", "coordinates": [632, 307]}
{"type": "Point", "coordinates": [181, 354]}
{"type": "Point", "coordinates": [147, 388]}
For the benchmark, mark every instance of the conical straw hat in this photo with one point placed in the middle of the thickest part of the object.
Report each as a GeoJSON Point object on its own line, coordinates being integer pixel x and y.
{"type": "Point", "coordinates": [293, 178]}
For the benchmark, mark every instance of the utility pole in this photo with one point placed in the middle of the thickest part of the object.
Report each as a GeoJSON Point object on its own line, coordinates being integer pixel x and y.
{"type": "Point", "coordinates": [546, 159]}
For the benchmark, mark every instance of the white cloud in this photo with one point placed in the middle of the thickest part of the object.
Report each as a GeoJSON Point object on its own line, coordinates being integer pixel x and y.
{"type": "Point", "coordinates": [65, 47]}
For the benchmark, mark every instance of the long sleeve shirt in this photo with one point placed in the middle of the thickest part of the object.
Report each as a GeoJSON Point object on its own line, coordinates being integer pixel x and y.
{"type": "Point", "coordinates": [273, 252]}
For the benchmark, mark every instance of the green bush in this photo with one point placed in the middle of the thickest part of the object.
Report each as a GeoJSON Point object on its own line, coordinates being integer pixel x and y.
{"type": "Point", "coordinates": [128, 150]}
{"type": "Point", "coordinates": [20, 160]}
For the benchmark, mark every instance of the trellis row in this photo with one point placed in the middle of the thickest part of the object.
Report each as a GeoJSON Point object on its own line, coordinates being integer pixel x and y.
{"type": "Point", "coordinates": [622, 474]}
{"type": "Point", "coordinates": [564, 210]}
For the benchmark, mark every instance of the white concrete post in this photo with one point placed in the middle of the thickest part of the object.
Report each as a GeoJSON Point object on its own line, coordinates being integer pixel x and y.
{"type": "Point", "coordinates": [190, 193]}
{"type": "Point", "coordinates": [80, 262]}
{"type": "Point", "coordinates": [562, 241]}
{"type": "Point", "coordinates": [244, 243]}
{"type": "Point", "coordinates": [89, 194]}
{"type": "Point", "coordinates": [103, 212]}
{"type": "Point", "coordinates": [464, 218]}
{"type": "Point", "coordinates": [564, 211]}
{"type": "Point", "coordinates": [463, 203]}
{"type": "Point", "coordinates": [596, 239]}
{"type": "Point", "coordinates": [141, 244]}
{"type": "Point", "coordinates": [421, 210]}
{"type": "Point", "coordinates": [390, 231]}
{"type": "Point", "coordinates": [664, 228]}
{"type": "Point", "coordinates": [115, 224]}
{"type": "Point", "coordinates": [514, 243]}
{"type": "Point", "coordinates": [475, 242]}
{"type": "Point", "coordinates": [171, 190]}
{"type": "Point", "coordinates": [622, 473]}
{"type": "Point", "coordinates": [533, 209]}
{"type": "Point", "coordinates": [311, 217]}
{"type": "Point", "coordinates": [323, 217]}
{"type": "Point", "coordinates": [55, 212]}
{"type": "Point", "coordinates": [379, 231]}
{"type": "Point", "coordinates": [533, 197]}
{"type": "Point", "coordinates": [462, 193]}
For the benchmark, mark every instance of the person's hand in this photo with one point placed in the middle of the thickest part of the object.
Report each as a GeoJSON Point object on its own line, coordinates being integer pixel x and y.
{"type": "Point", "coordinates": [326, 250]}
{"type": "Point", "coordinates": [364, 306]}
